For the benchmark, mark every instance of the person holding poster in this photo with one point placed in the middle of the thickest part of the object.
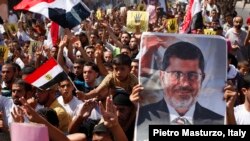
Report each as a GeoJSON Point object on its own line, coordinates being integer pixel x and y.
{"type": "Point", "coordinates": [182, 79]}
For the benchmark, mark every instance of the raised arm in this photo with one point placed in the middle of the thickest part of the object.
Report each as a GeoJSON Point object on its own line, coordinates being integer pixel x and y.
{"type": "Point", "coordinates": [230, 97]}
{"type": "Point", "coordinates": [61, 45]}
{"type": "Point", "coordinates": [54, 133]}
{"type": "Point", "coordinates": [135, 97]}
{"type": "Point", "coordinates": [78, 45]}
{"type": "Point", "coordinates": [99, 62]}
{"type": "Point", "coordinates": [110, 118]}
{"type": "Point", "coordinates": [112, 35]}
{"type": "Point", "coordinates": [83, 114]}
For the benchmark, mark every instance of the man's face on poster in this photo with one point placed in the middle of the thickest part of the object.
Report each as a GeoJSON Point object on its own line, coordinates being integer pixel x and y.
{"type": "Point", "coordinates": [181, 83]}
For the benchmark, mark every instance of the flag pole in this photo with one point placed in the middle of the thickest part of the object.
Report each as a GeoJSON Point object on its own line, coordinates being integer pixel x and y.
{"type": "Point", "coordinates": [67, 76]}
{"type": "Point", "coordinates": [72, 82]}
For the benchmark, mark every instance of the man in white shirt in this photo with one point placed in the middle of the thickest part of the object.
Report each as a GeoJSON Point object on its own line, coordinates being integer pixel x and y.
{"type": "Point", "coordinates": [8, 74]}
{"type": "Point", "coordinates": [12, 19]}
{"type": "Point", "coordinates": [67, 100]}
{"type": "Point", "coordinates": [241, 113]}
{"type": "Point", "coordinates": [237, 37]}
{"type": "Point", "coordinates": [19, 89]}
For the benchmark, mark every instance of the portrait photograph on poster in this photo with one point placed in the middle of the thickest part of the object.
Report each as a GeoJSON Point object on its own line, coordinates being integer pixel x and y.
{"type": "Point", "coordinates": [183, 78]}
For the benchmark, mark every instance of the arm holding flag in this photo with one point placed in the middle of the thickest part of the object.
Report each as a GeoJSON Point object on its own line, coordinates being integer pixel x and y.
{"type": "Point", "coordinates": [193, 19]}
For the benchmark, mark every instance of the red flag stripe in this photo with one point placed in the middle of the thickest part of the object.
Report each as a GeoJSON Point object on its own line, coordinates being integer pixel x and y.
{"type": "Point", "coordinates": [27, 4]}
{"type": "Point", "coordinates": [43, 69]}
{"type": "Point", "coordinates": [188, 17]}
{"type": "Point", "coordinates": [54, 31]}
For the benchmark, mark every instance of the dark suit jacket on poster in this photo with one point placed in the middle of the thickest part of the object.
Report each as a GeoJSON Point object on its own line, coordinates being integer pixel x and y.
{"type": "Point", "coordinates": [157, 113]}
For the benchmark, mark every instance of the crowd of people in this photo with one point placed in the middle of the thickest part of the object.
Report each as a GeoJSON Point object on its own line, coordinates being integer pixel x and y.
{"type": "Point", "coordinates": [99, 99]}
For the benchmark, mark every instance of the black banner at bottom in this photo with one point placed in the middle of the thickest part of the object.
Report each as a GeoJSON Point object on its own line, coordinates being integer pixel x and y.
{"type": "Point", "coordinates": [217, 132]}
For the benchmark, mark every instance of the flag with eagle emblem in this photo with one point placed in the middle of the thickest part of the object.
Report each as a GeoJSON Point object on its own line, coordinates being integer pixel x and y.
{"type": "Point", "coordinates": [47, 75]}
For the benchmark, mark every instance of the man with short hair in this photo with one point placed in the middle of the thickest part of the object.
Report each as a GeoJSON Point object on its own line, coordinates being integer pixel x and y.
{"type": "Point", "coordinates": [77, 73]}
{"type": "Point", "coordinates": [237, 38]}
{"type": "Point", "coordinates": [120, 77]}
{"type": "Point", "coordinates": [107, 56]}
{"type": "Point", "coordinates": [7, 105]}
{"type": "Point", "coordinates": [126, 50]}
{"type": "Point", "coordinates": [80, 124]}
{"type": "Point", "coordinates": [19, 89]}
{"type": "Point", "coordinates": [135, 67]}
{"type": "Point", "coordinates": [47, 98]}
{"type": "Point", "coordinates": [67, 99]}
{"type": "Point", "coordinates": [134, 48]}
{"type": "Point", "coordinates": [8, 75]}
{"type": "Point", "coordinates": [239, 114]}
{"type": "Point", "coordinates": [181, 78]}
{"type": "Point", "coordinates": [90, 51]}
{"type": "Point", "coordinates": [93, 38]}
{"type": "Point", "coordinates": [126, 112]}
{"type": "Point", "coordinates": [125, 38]}
{"type": "Point", "coordinates": [228, 23]}
{"type": "Point", "coordinates": [12, 19]}
{"type": "Point", "coordinates": [90, 74]}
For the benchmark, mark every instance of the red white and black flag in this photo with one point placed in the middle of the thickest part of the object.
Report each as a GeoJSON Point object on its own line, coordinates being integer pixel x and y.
{"type": "Point", "coordinates": [53, 35]}
{"type": "Point", "coordinates": [67, 13]}
{"type": "Point", "coordinates": [47, 75]}
{"type": "Point", "coordinates": [193, 19]}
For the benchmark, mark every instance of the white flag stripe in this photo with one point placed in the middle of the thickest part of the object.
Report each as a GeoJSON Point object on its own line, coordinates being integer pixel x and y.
{"type": "Point", "coordinates": [53, 73]}
{"type": "Point", "coordinates": [43, 6]}
{"type": "Point", "coordinates": [196, 8]}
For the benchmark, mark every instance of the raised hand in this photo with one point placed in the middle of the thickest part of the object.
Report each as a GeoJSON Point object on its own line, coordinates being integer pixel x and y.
{"type": "Point", "coordinates": [17, 114]}
{"type": "Point", "coordinates": [32, 102]}
{"type": "Point", "coordinates": [98, 52]}
{"type": "Point", "coordinates": [135, 95]}
{"type": "Point", "coordinates": [64, 41]}
{"type": "Point", "coordinates": [109, 113]}
{"type": "Point", "coordinates": [88, 106]}
{"type": "Point", "coordinates": [38, 51]}
{"type": "Point", "coordinates": [29, 112]}
{"type": "Point", "coordinates": [78, 44]}
{"type": "Point", "coordinates": [68, 33]}
{"type": "Point", "coordinates": [138, 19]}
{"type": "Point", "coordinates": [230, 95]}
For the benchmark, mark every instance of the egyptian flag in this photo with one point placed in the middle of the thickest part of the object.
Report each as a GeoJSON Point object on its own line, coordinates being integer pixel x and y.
{"type": "Point", "coordinates": [193, 19]}
{"type": "Point", "coordinates": [67, 13]}
{"type": "Point", "coordinates": [53, 35]}
{"type": "Point", "coordinates": [47, 75]}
